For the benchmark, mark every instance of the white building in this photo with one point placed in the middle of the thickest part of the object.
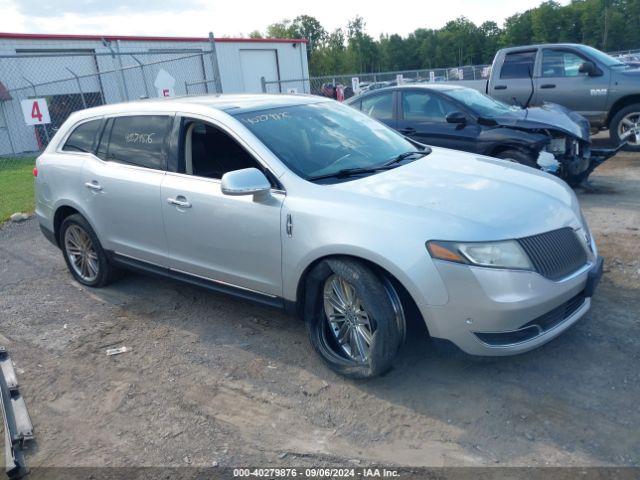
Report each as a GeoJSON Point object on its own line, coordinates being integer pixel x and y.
{"type": "Point", "coordinates": [76, 71]}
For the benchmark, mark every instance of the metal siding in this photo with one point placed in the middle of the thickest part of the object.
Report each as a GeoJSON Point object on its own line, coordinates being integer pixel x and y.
{"type": "Point", "coordinates": [292, 64]}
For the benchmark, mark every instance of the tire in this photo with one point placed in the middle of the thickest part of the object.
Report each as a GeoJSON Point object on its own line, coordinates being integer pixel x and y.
{"type": "Point", "coordinates": [373, 298]}
{"type": "Point", "coordinates": [630, 114]}
{"type": "Point", "coordinates": [78, 238]}
{"type": "Point", "coordinates": [518, 156]}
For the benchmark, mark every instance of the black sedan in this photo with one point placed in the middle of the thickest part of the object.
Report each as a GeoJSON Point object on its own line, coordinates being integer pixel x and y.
{"type": "Point", "coordinates": [549, 137]}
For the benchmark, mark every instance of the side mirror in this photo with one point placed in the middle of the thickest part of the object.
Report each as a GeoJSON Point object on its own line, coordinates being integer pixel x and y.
{"type": "Point", "coordinates": [589, 68]}
{"type": "Point", "coordinates": [456, 117]}
{"type": "Point", "coordinates": [248, 181]}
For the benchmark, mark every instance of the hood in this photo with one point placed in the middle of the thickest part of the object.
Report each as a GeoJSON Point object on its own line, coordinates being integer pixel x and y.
{"type": "Point", "coordinates": [470, 197]}
{"type": "Point", "coordinates": [549, 116]}
{"type": "Point", "coordinates": [624, 75]}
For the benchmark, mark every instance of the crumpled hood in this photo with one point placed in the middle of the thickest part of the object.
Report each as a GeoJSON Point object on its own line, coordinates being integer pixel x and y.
{"type": "Point", "coordinates": [549, 115]}
{"type": "Point", "coordinates": [469, 196]}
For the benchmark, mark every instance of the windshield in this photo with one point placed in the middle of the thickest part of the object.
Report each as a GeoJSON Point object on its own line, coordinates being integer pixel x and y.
{"type": "Point", "coordinates": [602, 57]}
{"type": "Point", "coordinates": [323, 138]}
{"type": "Point", "coordinates": [481, 104]}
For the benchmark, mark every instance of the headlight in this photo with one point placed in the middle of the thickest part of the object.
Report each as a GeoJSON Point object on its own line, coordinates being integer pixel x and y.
{"type": "Point", "coordinates": [504, 254]}
{"type": "Point", "coordinates": [557, 145]}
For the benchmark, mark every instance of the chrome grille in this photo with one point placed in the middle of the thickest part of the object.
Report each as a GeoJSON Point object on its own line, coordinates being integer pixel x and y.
{"type": "Point", "coordinates": [555, 254]}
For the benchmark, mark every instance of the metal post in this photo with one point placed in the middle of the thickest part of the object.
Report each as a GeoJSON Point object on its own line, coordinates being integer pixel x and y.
{"type": "Point", "coordinates": [263, 82]}
{"type": "Point", "coordinates": [84, 103]}
{"type": "Point", "coordinates": [144, 76]}
{"type": "Point", "coordinates": [186, 88]}
{"type": "Point", "coordinates": [35, 95]}
{"type": "Point", "coordinates": [214, 64]}
{"type": "Point", "coordinates": [107, 43]}
{"type": "Point", "coordinates": [124, 81]}
{"type": "Point", "coordinates": [6, 124]}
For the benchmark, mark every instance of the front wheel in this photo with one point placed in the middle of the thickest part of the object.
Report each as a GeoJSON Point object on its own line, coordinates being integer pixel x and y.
{"type": "Point", "coordinates": [625, 127]}
{"type": "Point", "coordinates": [354, 318]}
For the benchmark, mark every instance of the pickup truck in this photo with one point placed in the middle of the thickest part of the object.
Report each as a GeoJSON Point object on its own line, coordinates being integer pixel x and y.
{"type": "Point", "coordinates": [603, 89]}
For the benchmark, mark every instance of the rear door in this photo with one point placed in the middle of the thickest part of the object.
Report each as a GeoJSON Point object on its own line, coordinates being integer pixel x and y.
{"type": "Point", "coordinates": [122, 186]}
{"type": "Point", "coordinates": [560, 82]}
{"type": "Point", "coordinates": [514, 83]}
{"type": "Point", "coordinates": [422, 116]}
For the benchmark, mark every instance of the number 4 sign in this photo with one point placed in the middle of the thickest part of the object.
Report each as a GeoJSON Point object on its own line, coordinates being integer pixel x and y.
{"type": "Point", "coordinates": [35, 111]}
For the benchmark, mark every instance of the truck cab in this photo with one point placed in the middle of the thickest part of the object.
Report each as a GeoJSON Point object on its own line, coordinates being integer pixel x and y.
{"type": "Point", "coordinates": [601, 88]}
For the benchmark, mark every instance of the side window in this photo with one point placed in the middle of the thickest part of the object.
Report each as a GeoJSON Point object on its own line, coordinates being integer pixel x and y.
{"type": "Point", "coordinates": [139, 140]}
{"type": "Point", "coordinates": [83, 137]}
{"type": "Point", "coordinates": [379, 106]}
{"type": "Point", "coordinates": [209, 152]}
{"type": "Point", "coordinates": [425, 107]}
{"type": "Point", "coordinates": [518, 65]}
{"type": "Point", "coordinates": [560, 63]}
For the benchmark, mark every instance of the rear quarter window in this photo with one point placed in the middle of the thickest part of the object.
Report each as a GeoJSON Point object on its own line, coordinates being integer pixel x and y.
{"type": "Point", "coordinates": [139, 140]}
{"type": "Point", "coordinates": [83, 137]}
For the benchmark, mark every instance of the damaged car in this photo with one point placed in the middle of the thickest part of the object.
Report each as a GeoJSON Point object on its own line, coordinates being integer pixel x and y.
{"type": "Point", "coordinates": [550, 137]}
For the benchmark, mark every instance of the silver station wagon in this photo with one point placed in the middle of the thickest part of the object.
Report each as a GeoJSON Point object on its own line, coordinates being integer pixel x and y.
{"type": "Point", "coordinates": [301, 203]}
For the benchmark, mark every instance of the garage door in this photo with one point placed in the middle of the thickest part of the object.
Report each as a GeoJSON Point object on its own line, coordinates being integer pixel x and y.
{"type": "Point", "coordinates": [256, 64]}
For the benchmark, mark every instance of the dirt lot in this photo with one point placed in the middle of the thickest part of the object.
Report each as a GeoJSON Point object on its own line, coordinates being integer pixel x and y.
{"type": "Point", "coordinates": [214, 380]}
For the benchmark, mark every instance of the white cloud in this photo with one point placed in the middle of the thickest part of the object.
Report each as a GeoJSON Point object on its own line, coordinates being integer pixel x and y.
{"type": "Point", "coordinates": [228, 18]}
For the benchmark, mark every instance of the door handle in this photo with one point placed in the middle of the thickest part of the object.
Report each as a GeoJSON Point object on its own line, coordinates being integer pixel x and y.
{"type": "Point", "coordinates": [500, 87]}
{"type": "Point", "coordinates": [408, 130]}
{"type": "Point", "coordinates": [93, 185]}
{"type": "Point", "coordinates": [548, 85]}
{"type": "Point", "coordinates": [179, 201]}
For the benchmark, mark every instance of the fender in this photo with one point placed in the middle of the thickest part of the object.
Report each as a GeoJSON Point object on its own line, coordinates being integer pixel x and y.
{"type": "Point", "coordinates": [434, 289]}
{"type": "Point", "coordinates": [493, 140]}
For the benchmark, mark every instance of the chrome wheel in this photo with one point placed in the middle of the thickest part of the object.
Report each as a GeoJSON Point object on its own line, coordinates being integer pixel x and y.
{"type": "Point", "coordinates": [347, 318]}
{"type": "Point", "coordinates": [629, 129]}
{"type": "Point", "coordinates": [81, 253]}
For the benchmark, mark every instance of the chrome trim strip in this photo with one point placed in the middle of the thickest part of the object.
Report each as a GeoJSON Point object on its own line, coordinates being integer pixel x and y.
{"type": "Point", "coordinates": [219, 282]}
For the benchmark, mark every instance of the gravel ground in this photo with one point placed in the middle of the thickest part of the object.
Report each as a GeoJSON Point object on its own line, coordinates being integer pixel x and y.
{"type": "Point", "coordinates": [211, 380]}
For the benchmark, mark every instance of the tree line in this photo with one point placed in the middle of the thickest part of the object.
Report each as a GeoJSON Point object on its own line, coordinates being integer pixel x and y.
{"type": "Point", "coordinates": [609, 25]}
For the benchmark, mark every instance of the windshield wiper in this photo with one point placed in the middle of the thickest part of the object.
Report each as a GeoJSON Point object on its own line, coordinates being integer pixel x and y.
{"type": "Point", "coordinates": [349, 172]}
{"type": "Point", "coordinates": [404, 155]}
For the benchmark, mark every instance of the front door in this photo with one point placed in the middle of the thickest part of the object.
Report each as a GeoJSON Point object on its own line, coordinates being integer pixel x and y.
{"type": "Point", "coordinates": [422, 116]}
{"type": "Point", "coordinates": [560, 82]}
{"type": "Point", "coordinates": [234, 240]}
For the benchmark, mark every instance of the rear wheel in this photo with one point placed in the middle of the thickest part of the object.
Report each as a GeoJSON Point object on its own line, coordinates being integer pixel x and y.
{"type": "Point", "coordinates": [83, 253]}
{"type": "Point", "coordinates": [625, 127]}
{"type": "Point", "coordinates": [354, 318]}
{"type": "Point", "coordinates": [517, 156]}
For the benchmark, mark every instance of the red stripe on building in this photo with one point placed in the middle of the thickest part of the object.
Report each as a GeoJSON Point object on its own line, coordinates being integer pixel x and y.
{"type": "Point", "coordinates": [129, 38]}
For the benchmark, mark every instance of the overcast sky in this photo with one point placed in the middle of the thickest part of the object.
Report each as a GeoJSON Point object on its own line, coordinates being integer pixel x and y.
{"type": "Point", "coordinates": [234, 18]}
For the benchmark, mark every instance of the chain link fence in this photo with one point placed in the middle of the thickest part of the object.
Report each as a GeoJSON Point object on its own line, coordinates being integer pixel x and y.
{"type": "Point", "coordinates": [340, 87]}
{"type": "Point", "coordinates": [38, 92]}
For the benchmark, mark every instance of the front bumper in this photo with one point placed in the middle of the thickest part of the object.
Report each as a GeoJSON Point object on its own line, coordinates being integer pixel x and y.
{"type": "Point", "coordinates": [505, 312]}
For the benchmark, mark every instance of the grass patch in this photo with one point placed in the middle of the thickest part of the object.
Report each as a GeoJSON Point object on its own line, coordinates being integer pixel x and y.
{"type": "Point", "coordinates": [16, 186]}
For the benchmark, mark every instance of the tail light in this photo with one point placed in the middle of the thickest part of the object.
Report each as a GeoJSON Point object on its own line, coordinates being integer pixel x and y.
{"type": "Point", "coordinates": [35, 171]}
